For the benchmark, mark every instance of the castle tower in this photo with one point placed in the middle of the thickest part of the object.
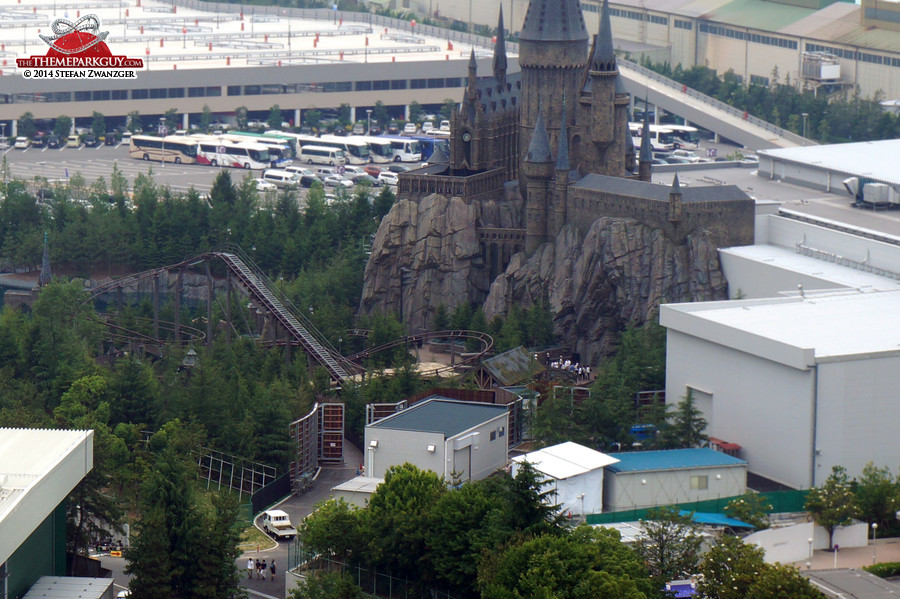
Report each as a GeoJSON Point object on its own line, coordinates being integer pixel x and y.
{"type": "Point", "coordinates": [462, 146]}
{"type": "Point", "coordinates": [675, 206]}
{"type": "Point", "coordinates": [645, 159]}
{"type": "Point", "coordinates": [603, 73]}
{"type": "Point", "coordinates": [552, 57]}
{"type": "Point", "coordinates": [500, 52]}
{"type": "Point", "coordinates": [537, 169]}
{"type": "Point", "coordinates": [562, 174]}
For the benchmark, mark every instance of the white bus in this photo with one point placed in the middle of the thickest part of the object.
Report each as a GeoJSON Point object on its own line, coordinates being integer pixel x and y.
{"type": "Point", "coordinates": [215, 151]}
{"type": "Point", "coordinates": [321, 155]}
{"type": "Point", "coordinates": [686, 137]}
{"type": "Point", "coordinates": [380, 150]}
{"type": "Point", "coordinates": [175, 149]}
{"type": "Point", "coordinates": [280, 152]}
{"type": "Point", "coordinates": [662, 139]}
{"type": "Point", "coordinates": [405, 149]}
{"type": "Point", "coordinates": [355, 150]}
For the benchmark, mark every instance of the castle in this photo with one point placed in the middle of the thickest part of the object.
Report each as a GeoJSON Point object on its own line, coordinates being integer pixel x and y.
{"type": "Point", "coordinates": [559, 129]}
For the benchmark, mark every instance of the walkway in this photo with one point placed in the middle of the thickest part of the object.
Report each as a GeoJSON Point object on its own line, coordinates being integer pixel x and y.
{"type": "Point", "coordinates": [882, 550]}
{"type": "Point", "coordinates": [709, 113]}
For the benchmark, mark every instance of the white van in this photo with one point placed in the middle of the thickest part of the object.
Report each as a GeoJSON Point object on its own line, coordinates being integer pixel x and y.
{"type": "Point", "coordinates": [321, 155]}
{"type": "Point", "coordinates": [22, 143]}
{"type": "Point", "coordinates": [280, 178]}
{"type": "Point", "coordinates": [73, 142]}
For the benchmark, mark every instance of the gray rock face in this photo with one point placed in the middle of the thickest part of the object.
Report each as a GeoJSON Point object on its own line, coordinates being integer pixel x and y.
{"type": "Point", "coordinates": [618, 274]}
{"type": "Point", "coordinates": [427, 254]}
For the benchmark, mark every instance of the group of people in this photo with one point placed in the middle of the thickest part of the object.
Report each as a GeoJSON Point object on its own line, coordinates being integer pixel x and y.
{"type": "Point", "coordinates": [260, 567]}
{"type": "Point", "coordinates": [582, 373]}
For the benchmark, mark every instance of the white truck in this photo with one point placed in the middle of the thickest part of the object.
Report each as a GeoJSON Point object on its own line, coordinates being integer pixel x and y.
{"type": "Point", "coordinates": [278, 524]}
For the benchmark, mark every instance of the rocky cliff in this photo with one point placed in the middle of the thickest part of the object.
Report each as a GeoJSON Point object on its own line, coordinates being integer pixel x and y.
{"type": "Point", "coordinates": [618, 274]}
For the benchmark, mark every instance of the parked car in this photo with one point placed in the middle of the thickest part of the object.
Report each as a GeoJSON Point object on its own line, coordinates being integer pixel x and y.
{"type": "Point", "coordinates": [365, 179]}
{"type": "Point", "coordinates": [687, 154]}
{"type": "Point", "coordinates": [388, 178]}
{"type": "Point", "coordinates": [22, 143]}
{"type": "Point", "coordinates": [90, 140]}
{"type": "Point", "coordinates": [110, 138]}
{"type": "Point", "coordinates": [254, 124]}
{"type": "Point", "coordinates": [372, 170]}
{"type": "Point", "coordinates": [263, 185]}
{"type": "Point", "coordinates": [73, 141]}
{"type": "Point", "coordinates": [375, 130]}
{"type": "Point", "coordinates": [52, 141]}
{"type": "Point", "coordinates": [306, 176]}
{"type": "Point", "coordinates": [278, 524]}
{"type": "Point", "coordinates": [396, 167]}
{"type": "Point", "coordinates": [39, 141]}
{"type": "Point", "coordinates": [393, 128]}
{"type": "Point", "coordinates": [410, 129]}
{"type": "Point", "coordinates": [324, 171]}
{"type": "Point", "coordinates": [445, 126]}
{"type": "Point", "coordinates": [349, 169]}
{"type": "Point", "coordinates": [337, 181]}
{"type": "Point", "coordinates": [427, 126]}
{"type": "Point", "coordinates": [359, 129]}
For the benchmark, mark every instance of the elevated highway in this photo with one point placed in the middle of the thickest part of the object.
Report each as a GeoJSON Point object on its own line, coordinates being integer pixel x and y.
{"type": "Point", "coordinates": [705, 111]}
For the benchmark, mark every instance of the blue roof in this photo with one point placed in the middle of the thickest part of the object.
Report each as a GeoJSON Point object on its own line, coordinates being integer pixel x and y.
{"type": "Point", "coordinates": [716, 519]}
{"type": "Point", "coordinates": [441, 415]}
{"type": "Point", "coordinates": [671, 459]}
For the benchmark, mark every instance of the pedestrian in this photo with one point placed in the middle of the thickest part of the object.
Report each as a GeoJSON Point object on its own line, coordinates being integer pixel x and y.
{"type": "Point", "coordinates": [263, 570]}
{"type": "Point", "coordinates": [272, 569]}
{"type": "Point", "coordinates": [258, 566]}
{"type": "Point", "coordinates": [250, 566]}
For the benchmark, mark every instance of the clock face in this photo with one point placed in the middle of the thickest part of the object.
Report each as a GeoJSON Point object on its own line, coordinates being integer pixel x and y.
{"type": "Point", "coordinates": [467, 137]}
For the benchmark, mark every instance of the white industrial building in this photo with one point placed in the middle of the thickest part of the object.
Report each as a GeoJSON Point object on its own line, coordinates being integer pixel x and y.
{"type": "Point", "coordinates": [573, 474]}
{"type": "Point", "coordinates": [457, 440]}
{"type": "Point", "coordinates": [646, 479]}
{"type": "Point", "coordinates": [38, 470]}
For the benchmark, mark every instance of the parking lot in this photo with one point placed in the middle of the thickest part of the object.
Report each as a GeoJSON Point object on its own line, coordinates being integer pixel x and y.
{"type": "Point", "coordinates": [62, 163]}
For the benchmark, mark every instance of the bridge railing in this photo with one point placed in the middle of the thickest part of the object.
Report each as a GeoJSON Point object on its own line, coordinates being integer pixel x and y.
{"type": "Point", "coordinates": [718, 104]}
{"type": "Point", "coordinates": [235, 249]}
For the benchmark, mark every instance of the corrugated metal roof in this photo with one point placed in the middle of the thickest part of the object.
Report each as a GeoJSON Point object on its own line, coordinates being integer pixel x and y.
{"type": "Point", "coordinates": [758, 14]}
{"type": "Point", "coordinates": [441, 415]}
{"type": "Point", "coordinates": [513, 366]}
{"type": "Point", "coordinates": [841, 16]}
{"type": "Point", "coordinates": [871, 159]}
{"type": "Point", "coordinates": [566, 460]}
{"type": "Point", "coordinates": [715, 519]}
{"type": "Point", "coordinates": [654, 191]}
{"type": "Point", "coordinates": [671, 459]}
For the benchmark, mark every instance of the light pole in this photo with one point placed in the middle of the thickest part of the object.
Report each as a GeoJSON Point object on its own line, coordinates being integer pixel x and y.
{"type": "Point", "coordinates": [810, 541]}
{"type": "Point", "coordinates": [874, 539]}
{"type": "Point", "coordinates": [805, 116]}
{"type": "Point", "coordinates": [163, 131]}
{"type": "Point", "coordinates": [368, 121]}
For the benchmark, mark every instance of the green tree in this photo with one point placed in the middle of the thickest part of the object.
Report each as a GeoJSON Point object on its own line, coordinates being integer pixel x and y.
{"type": "Point", "coordinates": [240, 117]}
{"type": "Point", "coordinates": [380, 114]}
{"type": "Point", "coordinates": [135, 124]}
{"type": "Point", "coordinates": [877, 495]}
{"type": "Point", "coordinates": [344, 115]}
{"type": "Point", "coordinates": [415, 112]}
{"type": "Point", "coordinates": [670, 545]}
{"type": "Point", "coordinates": [205, 118]}
{"type": "Point", "coordinates": [63, 126]}
{"type": "Point", "coordinates": [98, 125]}
{"type": "Point", "coordinates": [171, 119]}
{"type": "Point", "coordinates": [729, 569]}
{"type": "Point", "coordinates": [752, 508]}
{"type": "Point", "coordinates": [328, 585]}
{"type": "Point", "coordinates": [275, 119]}
{"type": "Point", "coordinates": [833, 504]}
{"type": "Point", "coordinates": [686, 425]}
{"type": "Point", "coordinates": [312, 118]}
{"type": "Point", "coordinates": [780, 581]}
{"type": "Point", "coordinates": [441, 319]}
{"type": "Point", "coordinates": [448, 109]}
{"type": "Point", "coordinates": [586, 564]}
{"type": "Point", "coordinates": [333, 529]}
{"type": "Point", "coordinates": [26, 126]}
{"type": "Point", "coordinates": [383, 202]}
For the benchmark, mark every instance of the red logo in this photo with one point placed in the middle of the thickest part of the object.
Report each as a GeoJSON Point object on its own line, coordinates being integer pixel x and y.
{"type": "Point", "coordinates": [78, 50]}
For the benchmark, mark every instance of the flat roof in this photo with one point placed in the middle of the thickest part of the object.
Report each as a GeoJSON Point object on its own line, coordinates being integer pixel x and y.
{"type": "Point", "coordinates": [69, 587]}
{"type": "Point", "coordinates": [871, 159]}
{"type": "Point", "coordinates": [820, 327]}
{"type": "Point", "coordinates": [442, 415]}
{"type": "Point", "coordinates": [164, 35]}
{"type": "Point", "coordinates": [38, 469]}
{"type": "Point", "coordinates": [671, 459]}
{"type": "Point", "coordinates": [566, 460]}
{"type": "Point", "coordinates": [359, 484]}
{"type": "Point", "coordinates": [851, 584]}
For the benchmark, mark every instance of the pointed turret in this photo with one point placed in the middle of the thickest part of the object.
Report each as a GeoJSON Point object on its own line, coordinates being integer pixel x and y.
{"type": "Point", "coordinates": [675, 201]}
{"type": "Point", "coordinates": [500, 52]}
{"type": "Point", "coordinates": [645, 158]}
{"type": "Point", "coordinates": [554, 21]}
{"type": "Point", "coordinates": [562, 173]}
{"type": "Point", "coordinates": [676, 186]}
{"type": "Point", "coordinates": [538, 169]}
{"type": "Point", "coordinates": [604, 57]}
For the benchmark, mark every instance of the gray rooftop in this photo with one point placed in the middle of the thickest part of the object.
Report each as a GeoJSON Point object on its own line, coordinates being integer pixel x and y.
{"type": "Point", "coordinates": [439, 414]}
{"type": "Point", "coordinates": [554, 21]}
{"type": "Point", "coordinates": [653, 191]}
{"type": "Point", "coordinates": [539, 148]}
{"type": "Point", "coordinates": [876, 160]}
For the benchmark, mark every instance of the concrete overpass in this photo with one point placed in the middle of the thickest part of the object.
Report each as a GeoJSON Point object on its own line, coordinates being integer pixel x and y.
{"type": "Point", "coordinates": [709, 113]}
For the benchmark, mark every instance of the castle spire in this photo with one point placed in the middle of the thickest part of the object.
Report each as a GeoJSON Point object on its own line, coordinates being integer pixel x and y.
{"type": "Point", "coordinates": [676, 186]}
{"type": "Point", "coordinates": [562, 152]}
{"type": "Point", "coordinates": [539, 148]}
{"type": "Point", "coordinates": [46, 274]}
{"type": "Point", "coordinates": [500, 52]}
{"type": "Point", "coordinates": [604, 58]}
{"type": "Point", "coordinates": [554, 21]}
{"type": "Point", "coordinates": [645, 158]}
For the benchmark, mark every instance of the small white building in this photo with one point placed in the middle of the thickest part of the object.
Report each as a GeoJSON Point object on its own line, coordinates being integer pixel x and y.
{"type": "Point", "coordinates": [645, 479]}
{"type": "Point", "coordinates": [458, 440]}
{"type": "Point", "coordinates": [574, 474]}
{"type": "Point", "coordinates": [357, 491]}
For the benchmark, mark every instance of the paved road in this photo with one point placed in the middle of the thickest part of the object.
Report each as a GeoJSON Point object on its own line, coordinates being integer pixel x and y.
{"type": "Point", "coordinates": [92, 163]}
